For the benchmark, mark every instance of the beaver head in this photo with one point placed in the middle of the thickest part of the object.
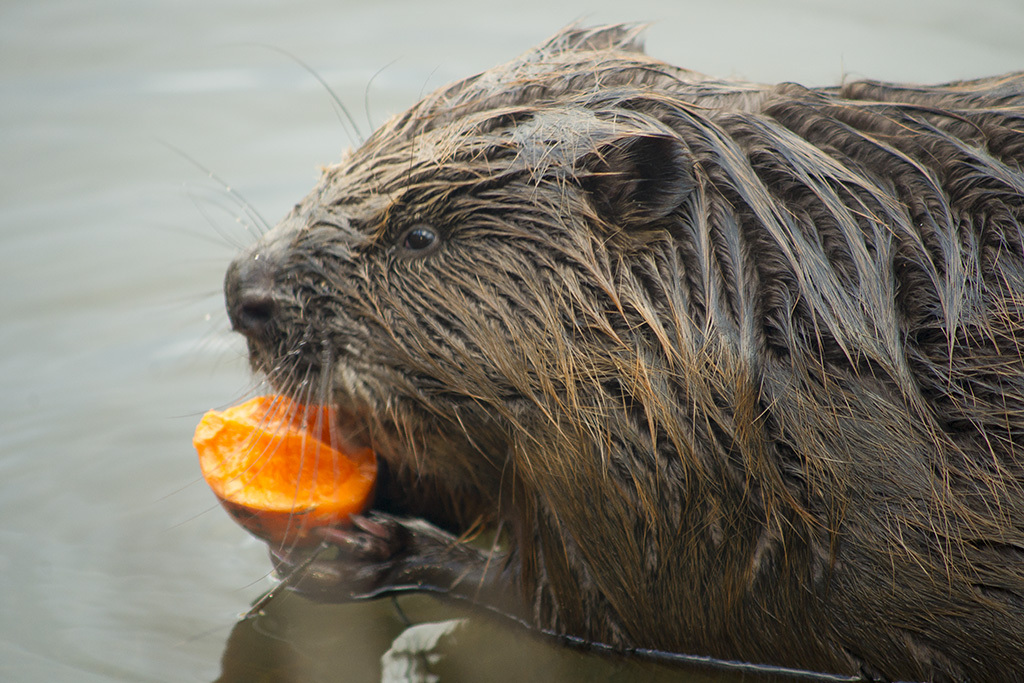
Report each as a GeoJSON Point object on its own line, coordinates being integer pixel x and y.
{"type": "Point", "coordinates": [736, 365]}
{"type": "Point", "coordinates": [454, 279]}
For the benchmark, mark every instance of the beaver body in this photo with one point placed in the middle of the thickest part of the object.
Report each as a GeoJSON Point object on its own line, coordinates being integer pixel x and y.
{"type": "Point", "coordinates": [736, 368]}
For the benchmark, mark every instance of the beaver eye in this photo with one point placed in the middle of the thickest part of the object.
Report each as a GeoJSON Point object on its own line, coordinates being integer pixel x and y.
{"type": "Point", "coordinates": [418, 240]}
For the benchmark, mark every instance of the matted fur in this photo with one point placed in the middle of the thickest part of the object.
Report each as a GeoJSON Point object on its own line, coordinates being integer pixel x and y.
{"type": "Point", "coordinates": [737, 367]}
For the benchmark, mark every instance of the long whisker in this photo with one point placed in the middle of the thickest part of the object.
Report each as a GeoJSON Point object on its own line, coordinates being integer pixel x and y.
{"type": "Point", "coordinates": [344, 115]}
{"type": "Point", "coordinates": [366, 92]}
{"type": "Point", "coordinates": [248, 207]}
{"type": "Point", "coordinates": [243, 220]}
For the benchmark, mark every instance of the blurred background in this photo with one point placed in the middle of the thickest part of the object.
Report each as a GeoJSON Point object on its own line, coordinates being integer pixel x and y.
{"type": "Point", "coordinates": [116, 564]}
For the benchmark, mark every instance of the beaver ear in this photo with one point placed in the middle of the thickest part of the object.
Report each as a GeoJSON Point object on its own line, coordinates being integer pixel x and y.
{"type": "Point", "coordinates": [638, 178]}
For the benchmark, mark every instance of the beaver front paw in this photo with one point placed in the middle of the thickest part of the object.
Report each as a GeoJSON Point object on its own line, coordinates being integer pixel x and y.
{"type": "Point", "coordinates": [369, 558]}
{"type": "Point", "coordinates": [371, 539]}
{"type": "Point", "coordinates": [381, 554]}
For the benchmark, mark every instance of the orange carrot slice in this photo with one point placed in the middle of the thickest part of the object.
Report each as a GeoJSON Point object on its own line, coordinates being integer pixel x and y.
{"type": "Point", "coordinates": [272, 464]}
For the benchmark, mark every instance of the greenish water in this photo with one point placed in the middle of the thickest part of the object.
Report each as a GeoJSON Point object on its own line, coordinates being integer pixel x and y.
{"type": "Point", "coordinates": [116, 563]}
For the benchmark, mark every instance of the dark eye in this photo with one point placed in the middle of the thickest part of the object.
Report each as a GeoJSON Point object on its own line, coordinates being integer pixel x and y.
{"type": "Point", "coordinates": [417, 240]}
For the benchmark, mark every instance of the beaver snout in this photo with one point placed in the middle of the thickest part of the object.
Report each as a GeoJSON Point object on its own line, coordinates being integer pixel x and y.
{"type": "Point", "coordinates": [248, 288]}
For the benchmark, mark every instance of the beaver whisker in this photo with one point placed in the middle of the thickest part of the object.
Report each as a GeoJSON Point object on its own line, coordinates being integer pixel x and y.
{"type": "Point", "coordinates": [344, 115]}
{"type": "Point", "coordinates": [258, 224]}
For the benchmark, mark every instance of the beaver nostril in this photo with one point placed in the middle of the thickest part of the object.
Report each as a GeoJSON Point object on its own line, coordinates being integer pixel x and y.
{"type": "Point", "coordinates": [248, 289]}
{"type": "Point", "coordinates": [253, 314]}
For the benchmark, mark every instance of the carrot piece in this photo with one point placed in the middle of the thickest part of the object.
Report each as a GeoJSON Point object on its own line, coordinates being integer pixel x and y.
{"type": "Point", "coordinates": [272, 464]}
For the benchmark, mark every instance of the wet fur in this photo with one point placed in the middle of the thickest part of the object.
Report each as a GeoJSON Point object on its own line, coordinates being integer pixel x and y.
{"type": "Point", "coordinates": [737, 367]}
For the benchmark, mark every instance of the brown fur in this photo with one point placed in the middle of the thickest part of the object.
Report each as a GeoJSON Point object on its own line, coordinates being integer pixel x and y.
{"type": "Point", "coordinates": [738, 367]}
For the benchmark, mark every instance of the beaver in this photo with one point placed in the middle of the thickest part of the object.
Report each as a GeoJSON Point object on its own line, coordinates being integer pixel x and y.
{"type": "Point", "coordinates": [734, 369]}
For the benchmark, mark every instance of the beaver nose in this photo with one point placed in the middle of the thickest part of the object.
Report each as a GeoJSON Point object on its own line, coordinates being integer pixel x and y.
{"type": "Point", "coordinates": [248, 289]}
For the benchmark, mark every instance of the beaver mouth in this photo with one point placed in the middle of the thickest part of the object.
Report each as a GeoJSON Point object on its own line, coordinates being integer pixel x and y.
{"type": "Point", "coordinates": [313, 382]}
{"type": "Point", "coordinates": [352, 430]}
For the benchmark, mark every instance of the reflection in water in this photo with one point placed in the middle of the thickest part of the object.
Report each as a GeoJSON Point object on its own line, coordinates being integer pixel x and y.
{"type": "Point", "coordinates": [414, 653]}
{"type": "Point", "coordinates": [414, 639]}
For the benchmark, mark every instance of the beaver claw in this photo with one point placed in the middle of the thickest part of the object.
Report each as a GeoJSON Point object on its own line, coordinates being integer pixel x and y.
{"type": "Point", "coordinates": [381, 554]}
{"type": "Point", "coordinates": [352, 563]}
{"type": "Point", "coordinates": [375, 538]}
